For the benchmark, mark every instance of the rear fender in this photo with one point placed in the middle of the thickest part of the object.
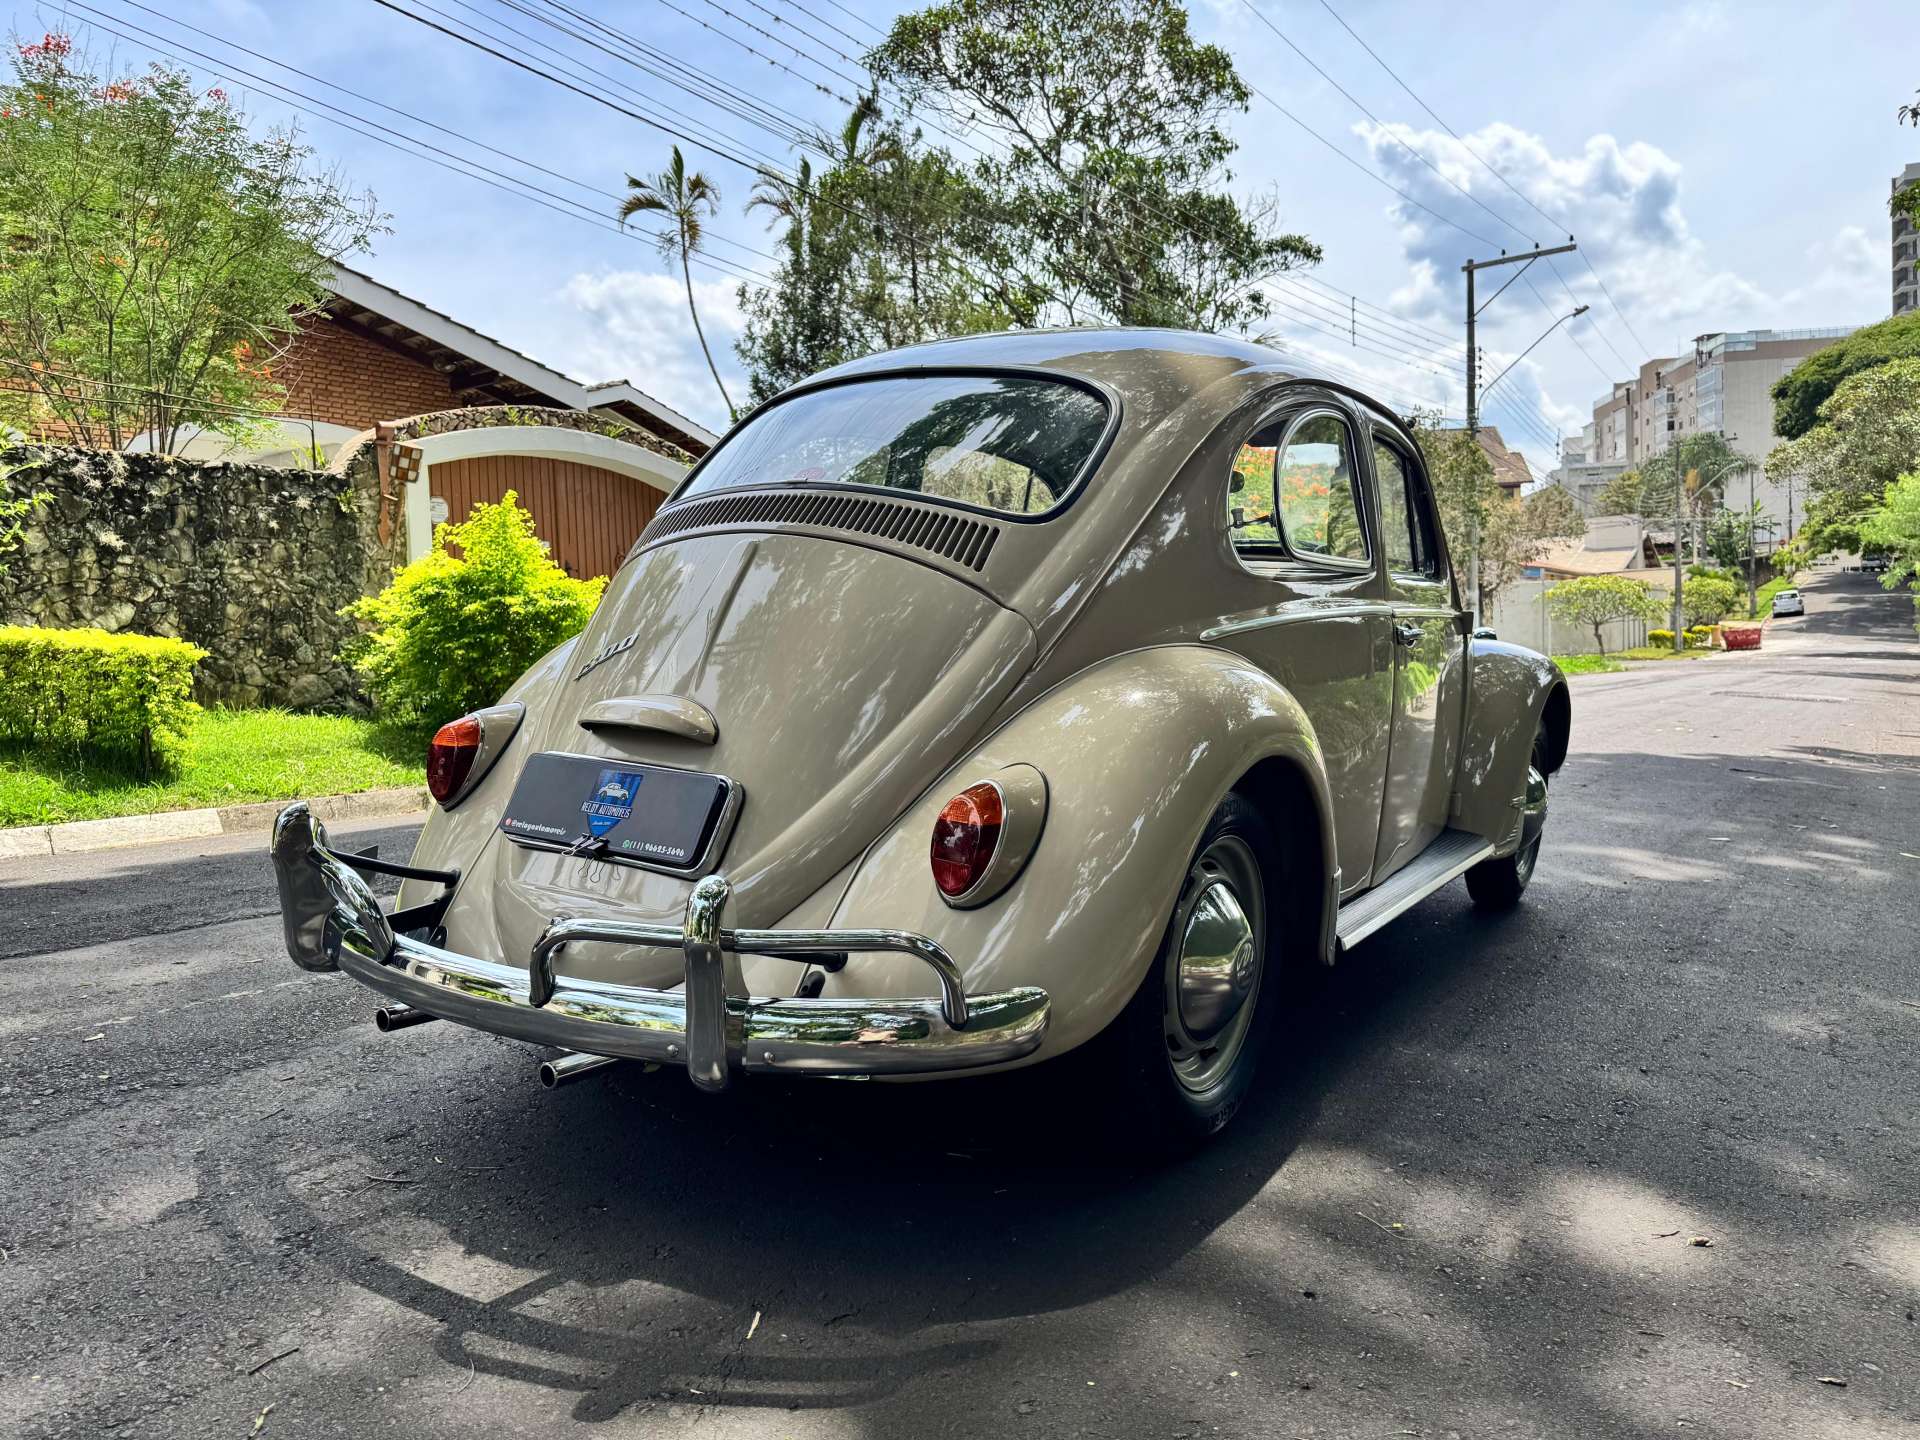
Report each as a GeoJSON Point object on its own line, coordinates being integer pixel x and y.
{"type": "Point", "coordinates": [1137, 752]}
{"type": "Point", "coordinates": [1514, 694]}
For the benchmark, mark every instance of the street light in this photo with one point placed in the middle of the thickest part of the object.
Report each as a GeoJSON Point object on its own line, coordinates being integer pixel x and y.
{"type": "Point", "coordinates": [1573, 314]}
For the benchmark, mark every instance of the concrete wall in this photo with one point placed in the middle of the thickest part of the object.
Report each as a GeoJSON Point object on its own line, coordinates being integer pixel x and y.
{"type": "Point", "coordinates": [1521, 615]}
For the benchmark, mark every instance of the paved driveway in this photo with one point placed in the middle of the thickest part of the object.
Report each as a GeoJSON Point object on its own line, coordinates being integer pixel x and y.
{"type": "Point", "coordinates": [1464, 1203]}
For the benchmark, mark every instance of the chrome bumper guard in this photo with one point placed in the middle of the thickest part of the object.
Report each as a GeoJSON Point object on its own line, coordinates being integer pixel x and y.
{"type": "Point", "coordinates": [334, 922]}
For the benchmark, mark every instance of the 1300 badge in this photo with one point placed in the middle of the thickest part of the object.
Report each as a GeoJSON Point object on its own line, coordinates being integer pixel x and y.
{"type": "Point", "coordinates": [611, 801]}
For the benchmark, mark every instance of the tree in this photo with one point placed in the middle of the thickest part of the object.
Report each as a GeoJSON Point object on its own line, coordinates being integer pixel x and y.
{"type": "Point", "coordinates": [1894, 526]}
{"type": "Point", "coordinates": [684, 200]}
{"type": "Point", "coordinates": [1799, 394]}
{"type": "Point", "coordinates": [1599, 600]}
{"type": "Point", "coordinates": [1481, 517]}
{"type": "Point", "coordinates": [1710, 600]}
{"type": "Point", "coordinates": [1906, 201]}
{"type": "Point", "coordinates": [1866, 437]}
{"type": "Point", "coordinates": [1106, 202]}
{"type": "Point", "coordinates": [1621, 495]}
{"type": "Point", "coordinates": [1689, 478]}
{"type": "Point", "coordinates": [159, 256]}
{"type": "Point", "coordinates": [875, 255]}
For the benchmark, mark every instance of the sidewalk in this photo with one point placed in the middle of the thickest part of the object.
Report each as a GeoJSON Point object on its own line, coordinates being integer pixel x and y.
{"type": "Point", "coordinates": [79, 836]}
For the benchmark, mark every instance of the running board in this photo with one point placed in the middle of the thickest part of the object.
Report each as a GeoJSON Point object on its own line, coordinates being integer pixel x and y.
{"type": "Point", "coordinates": [1452, 854]}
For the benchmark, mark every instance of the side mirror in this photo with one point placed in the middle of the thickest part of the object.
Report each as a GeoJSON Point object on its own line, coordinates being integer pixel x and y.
{"type": "Point", "coordinates": [1483, 633]}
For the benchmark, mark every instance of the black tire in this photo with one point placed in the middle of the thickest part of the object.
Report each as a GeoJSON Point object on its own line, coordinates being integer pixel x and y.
{"type": "Point", "coordinates": [1170, 1094]}
{"type": "Point", "coordinates": [1499, 884]}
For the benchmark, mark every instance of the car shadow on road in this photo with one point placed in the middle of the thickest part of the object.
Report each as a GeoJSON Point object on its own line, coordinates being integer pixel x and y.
{"type": "Point", "coordinates": [881, 1212]}
{"type": "Point", "coordinates": [615, 1240]}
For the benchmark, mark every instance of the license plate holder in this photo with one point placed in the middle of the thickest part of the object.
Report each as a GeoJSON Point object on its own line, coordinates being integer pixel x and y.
{"type": "Point", "coordinates": [655, 817]}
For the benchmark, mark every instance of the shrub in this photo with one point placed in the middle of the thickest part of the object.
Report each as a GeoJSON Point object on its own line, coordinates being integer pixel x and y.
{"type": "Point", "coordinates": [1700, 637]}
{"type": "Point", "coordinates": [1710, 599]}
{"type": "Point", "coordinates": [452, 632]}
{"type": "Point", "coordinates": [123, 696]}
{"type": "Point", "coordinates": [1660, 637]}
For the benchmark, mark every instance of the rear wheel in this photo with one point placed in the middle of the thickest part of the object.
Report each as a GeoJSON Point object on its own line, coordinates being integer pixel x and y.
{"type": "Point", "coordinates": [1187, 1045]}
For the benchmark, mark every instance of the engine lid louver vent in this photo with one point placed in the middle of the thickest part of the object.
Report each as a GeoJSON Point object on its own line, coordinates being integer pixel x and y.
{"type": "Point", "coordinates": [959, 538]}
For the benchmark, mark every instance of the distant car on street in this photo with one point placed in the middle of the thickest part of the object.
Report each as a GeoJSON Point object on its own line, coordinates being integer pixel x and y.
{"type": "Point", "coordinates": [1874, 564]}
{"type": "Point", "coordinates": [1788, 602]}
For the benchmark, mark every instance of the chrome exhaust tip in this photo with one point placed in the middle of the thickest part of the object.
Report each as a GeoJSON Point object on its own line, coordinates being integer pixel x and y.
{"type": "Point", "coordinates": [568, 1068]}
{"type": "Point", "coordinates": [389, 1018]}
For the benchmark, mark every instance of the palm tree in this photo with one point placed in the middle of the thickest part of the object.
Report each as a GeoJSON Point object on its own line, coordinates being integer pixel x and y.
{"type": "Point", "coordinates": [682, 199]}
{"type": "Point", "coordinates": [786, 199]}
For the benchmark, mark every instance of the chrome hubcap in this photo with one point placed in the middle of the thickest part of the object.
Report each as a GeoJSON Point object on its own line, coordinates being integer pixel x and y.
{"type": "Point", "coordinates": [1216, 962]}
{"type": "Point", "coordinates": [1215, 977]}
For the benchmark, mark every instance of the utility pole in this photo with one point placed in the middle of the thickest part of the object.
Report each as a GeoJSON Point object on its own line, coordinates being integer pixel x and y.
{"type": "Point", "coordinates": [1675, 449]}
{"type": "Point", "coordinates": [1472, 268]}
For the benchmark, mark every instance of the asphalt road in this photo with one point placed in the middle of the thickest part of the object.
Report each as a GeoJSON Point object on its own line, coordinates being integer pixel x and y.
{"type": "Point", "coordinates": [1464, 1203]}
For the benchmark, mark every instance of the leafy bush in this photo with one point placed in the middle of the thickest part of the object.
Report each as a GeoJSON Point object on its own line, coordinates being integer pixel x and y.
{"type": "Point", "coordinates": [1660, 637]}
{"type": "Point", "coordinates": [1710, 600]}
{"type": "Point", "coordinates": [452, 632]}
{"type": "Point", "coordinates": [122, 696]}
{"type": "Point", "coordinates": [1700, 637]}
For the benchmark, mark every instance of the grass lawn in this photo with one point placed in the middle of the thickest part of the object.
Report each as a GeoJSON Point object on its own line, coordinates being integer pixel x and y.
{"type": "Point", "coordinates": [235, 756]}
{"type": "Point", "coordinates": [1608, 664]}
{"type": "Point", "coordinates": [1587, 664]}
{"type": "Point", "coordinates": [1660, 652]}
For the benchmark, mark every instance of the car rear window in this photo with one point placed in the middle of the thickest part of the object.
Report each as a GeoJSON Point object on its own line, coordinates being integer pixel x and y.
{"type": "Point", "coordinates": [1011, 443]}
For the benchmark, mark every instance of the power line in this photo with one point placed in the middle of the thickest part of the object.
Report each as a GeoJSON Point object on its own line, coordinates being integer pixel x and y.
{"type": "Point", "coordinates": [1357, 323]}
{"type": "Point", "coordinates": [777, 120]}
{"type": "Point", "coordinates": [404, 143]}
{"type": "Point", "coordinates": [1358, 105]}
{"type": "Point", "coordinates": [999, 284]}
{"type": "Point", "coordinates": [1495, 172]}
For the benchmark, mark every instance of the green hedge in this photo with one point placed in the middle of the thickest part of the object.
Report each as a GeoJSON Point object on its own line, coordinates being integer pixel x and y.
{"type": "Point", "coordinates": [128, 696]}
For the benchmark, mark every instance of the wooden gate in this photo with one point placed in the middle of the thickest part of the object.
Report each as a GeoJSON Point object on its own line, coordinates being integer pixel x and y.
{"type": "Point", "coordinates": [588, 517]}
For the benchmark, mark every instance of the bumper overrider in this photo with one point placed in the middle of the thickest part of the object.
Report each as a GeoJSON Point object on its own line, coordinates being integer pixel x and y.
{"type": "Point", "coordinates": [334, 922]}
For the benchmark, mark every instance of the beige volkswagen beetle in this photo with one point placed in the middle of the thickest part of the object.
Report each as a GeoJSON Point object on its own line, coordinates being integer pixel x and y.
{"type": "Point", "coordinates": [971, 705]}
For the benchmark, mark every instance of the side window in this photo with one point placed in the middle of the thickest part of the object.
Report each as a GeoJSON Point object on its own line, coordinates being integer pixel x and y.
{"type": "Point", "coordinates": [1406, 516]}
{"type": "Point", "coordinates": [1316, 491]}
{"type": "Point", "coordinates": [1396, 509]}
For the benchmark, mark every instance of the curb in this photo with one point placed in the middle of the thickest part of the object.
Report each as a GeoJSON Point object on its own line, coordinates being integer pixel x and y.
{"type": "Point", "coordinates": [78, 837]}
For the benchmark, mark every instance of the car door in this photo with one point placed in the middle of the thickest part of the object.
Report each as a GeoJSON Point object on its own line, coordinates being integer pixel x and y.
{"type": "Point", "coordinates": [1429, 685]}
{"type": "Point", "coordinates": [1309, 604]}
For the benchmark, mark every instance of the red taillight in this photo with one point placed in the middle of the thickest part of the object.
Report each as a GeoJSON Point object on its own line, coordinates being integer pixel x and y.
{"type": "Point", "coordinates": [965, 837]}
{"type": "Point", "coordinates": [450, 757]}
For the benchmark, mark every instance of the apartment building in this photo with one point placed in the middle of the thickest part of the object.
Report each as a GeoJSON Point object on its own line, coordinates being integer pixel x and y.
{"type": "Point", "coordinates": [1723, 384]}
{"type": "Point", "coordinates": [1906, 250]}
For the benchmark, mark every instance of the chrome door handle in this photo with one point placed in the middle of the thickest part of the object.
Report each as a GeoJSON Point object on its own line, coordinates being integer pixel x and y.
{"type": "Point", "coordinates": [1407, 634]}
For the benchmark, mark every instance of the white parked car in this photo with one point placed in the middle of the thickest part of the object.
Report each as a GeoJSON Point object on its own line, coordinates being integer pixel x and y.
{"type": "Point", "coordinates": [1788, 602]}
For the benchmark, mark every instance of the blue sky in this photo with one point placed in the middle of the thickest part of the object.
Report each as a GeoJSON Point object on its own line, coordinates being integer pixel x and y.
{"type": "Point", "coordinates": [1724, 165]}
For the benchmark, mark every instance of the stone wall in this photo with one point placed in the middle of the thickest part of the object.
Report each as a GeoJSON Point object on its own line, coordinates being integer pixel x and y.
{"type": "Point", "coordinates": [252, 564]}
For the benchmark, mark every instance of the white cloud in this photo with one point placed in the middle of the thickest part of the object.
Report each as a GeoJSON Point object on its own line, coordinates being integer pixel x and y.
{"type": "Point", "coordinates": [637, 328]}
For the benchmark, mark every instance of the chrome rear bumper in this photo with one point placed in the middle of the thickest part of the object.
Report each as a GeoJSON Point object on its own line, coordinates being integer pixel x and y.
{"type": "Point", "coordinates": [333, 921]}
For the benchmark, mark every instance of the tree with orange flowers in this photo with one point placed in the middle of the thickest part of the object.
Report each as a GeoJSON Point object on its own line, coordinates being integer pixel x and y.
{"type": "Point", "coordinates": [155, 253]}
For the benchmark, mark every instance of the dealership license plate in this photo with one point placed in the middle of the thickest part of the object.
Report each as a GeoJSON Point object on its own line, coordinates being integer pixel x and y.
{"type": "Point", "coordinates": [617, 810]}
